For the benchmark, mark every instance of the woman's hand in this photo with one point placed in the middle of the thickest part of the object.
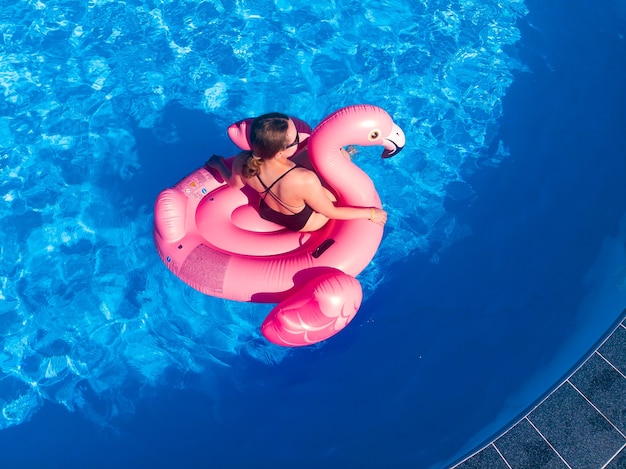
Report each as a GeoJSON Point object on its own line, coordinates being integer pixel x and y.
{"type": "Point", "coordinates": [378, 216]}
{"type": "Point", "coordinates": [216, 161]}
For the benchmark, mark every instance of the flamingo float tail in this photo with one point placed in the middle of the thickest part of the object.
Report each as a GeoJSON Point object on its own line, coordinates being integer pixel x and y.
{"type": "Point", "coordinates": [317, 311]}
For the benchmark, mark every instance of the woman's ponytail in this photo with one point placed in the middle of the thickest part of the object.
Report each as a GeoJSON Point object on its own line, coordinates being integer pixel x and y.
{"type": "Point", "coordinates": [251, 167]}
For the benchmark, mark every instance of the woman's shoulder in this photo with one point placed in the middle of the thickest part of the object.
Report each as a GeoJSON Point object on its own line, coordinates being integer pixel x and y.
{"type": "Point", "coordinates": [305, 175]}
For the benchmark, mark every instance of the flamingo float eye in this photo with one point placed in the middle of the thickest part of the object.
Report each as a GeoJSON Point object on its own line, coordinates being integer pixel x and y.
{"type": "Point", "coordinates": [374, 134]}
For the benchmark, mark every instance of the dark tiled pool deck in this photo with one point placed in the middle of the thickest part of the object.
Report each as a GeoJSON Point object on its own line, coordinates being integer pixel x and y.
{"type": "Point", "coordinates": [580, 424]}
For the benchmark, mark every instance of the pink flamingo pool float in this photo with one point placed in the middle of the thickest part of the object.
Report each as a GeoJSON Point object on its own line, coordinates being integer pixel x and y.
{"type": "Point", "coordinates": [211, 236]}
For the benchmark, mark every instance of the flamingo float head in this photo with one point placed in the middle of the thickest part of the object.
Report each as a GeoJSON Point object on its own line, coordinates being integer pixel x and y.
{"type": "Point", "coordinates": [360, 124]}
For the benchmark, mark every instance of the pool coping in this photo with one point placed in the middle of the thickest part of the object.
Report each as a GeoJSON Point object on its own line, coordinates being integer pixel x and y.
{"type": "Point", "coordinates": [579, 422]}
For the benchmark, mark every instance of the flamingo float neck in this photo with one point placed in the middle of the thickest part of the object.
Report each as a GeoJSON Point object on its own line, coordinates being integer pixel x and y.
{"type": "Point", "coordinates": [363, 125]}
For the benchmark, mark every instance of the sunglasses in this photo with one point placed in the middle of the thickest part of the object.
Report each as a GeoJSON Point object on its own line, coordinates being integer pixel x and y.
{"type": "Point", "coordinates": [295, 142]}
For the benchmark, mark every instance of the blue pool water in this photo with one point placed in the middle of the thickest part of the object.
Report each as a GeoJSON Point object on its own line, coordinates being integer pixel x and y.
{"type": "Point", "coordinates": [503, 261]}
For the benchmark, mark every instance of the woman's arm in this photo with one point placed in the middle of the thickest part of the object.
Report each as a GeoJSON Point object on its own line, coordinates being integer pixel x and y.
{"type": "Point", "coordinates": [232, 177]}
{"type": "Point", "coordinates": [314, 195]}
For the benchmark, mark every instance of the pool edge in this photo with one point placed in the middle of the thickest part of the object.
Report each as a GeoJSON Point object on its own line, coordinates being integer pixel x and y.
{"type": "Point", "coordinates": [543, 441]}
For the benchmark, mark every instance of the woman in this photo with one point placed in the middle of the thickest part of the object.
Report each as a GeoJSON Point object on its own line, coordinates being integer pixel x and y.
{"type": "Point", "coordinates": [291, 195]}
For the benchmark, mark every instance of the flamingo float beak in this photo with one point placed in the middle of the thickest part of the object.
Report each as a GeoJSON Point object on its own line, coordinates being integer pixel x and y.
{"type": "Point", "coordinates": [394, 142]}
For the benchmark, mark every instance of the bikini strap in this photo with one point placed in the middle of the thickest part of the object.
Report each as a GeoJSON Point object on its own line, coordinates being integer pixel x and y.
{"type": "Point", "coordinates": [274, 196]}
{"type": "Point", "coordinates": [267, 189]}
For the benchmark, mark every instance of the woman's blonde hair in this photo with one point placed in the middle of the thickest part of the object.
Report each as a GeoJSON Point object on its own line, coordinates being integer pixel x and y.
{"type": "Point", "coordinates": [268, 136]}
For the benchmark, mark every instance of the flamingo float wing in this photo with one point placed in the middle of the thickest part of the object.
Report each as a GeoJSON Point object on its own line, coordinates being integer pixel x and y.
{"type": "Point", "coordinates": [319, 310]}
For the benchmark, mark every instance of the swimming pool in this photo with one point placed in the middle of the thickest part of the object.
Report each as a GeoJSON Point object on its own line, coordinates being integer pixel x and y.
{"type": "Point", "coordinates": [501, 264]}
